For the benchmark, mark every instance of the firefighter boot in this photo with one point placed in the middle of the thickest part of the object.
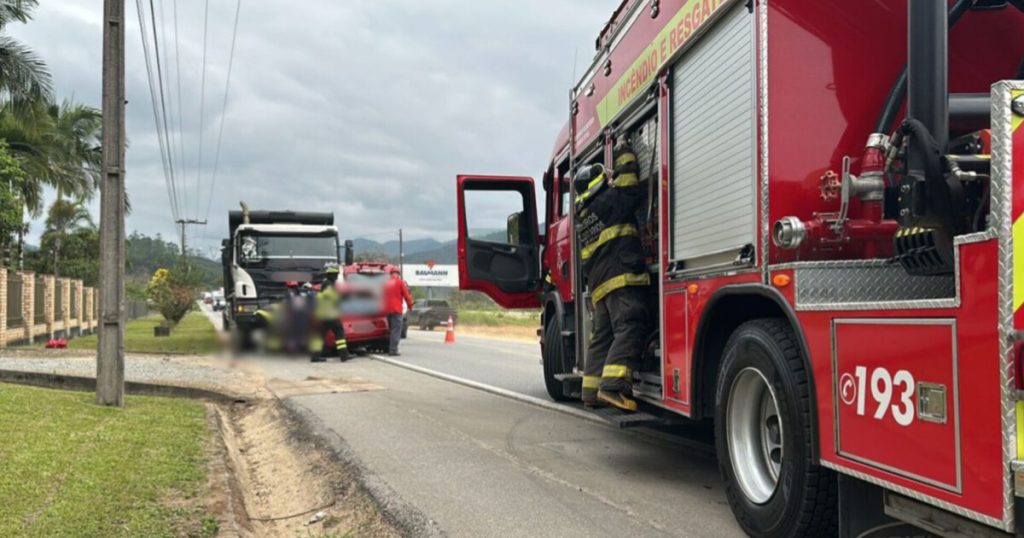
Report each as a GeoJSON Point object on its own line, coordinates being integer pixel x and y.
{"type": "Point", "coordinates": [618, 399]}
{"type": "Point", "coordinates": [589, 395]}
{"type": "Point", "coordinates": [316, 350]}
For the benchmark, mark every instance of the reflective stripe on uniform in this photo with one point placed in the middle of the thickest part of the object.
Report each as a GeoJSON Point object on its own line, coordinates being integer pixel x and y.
{"type": "Point", "coordinates": [626, 180]}
{"type": "Point", "coordinates": [625, 158]}
{"type": "Point", "coordinates": [609, 233]}
{"type": "Point", "coordinates": [263, 314]}
{"type": "Point", "coordinates": [590, 186]}
{"type": "Point", "coordinates": [621, 281]}
{"type": "Point", "coordinates": [591, 381]}
{"type": "Point", "coordinates": [615, 370]}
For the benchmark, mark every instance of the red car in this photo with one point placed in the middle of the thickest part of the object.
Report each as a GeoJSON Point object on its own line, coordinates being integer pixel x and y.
{"type": "Point", "coordinates": [366, 327]}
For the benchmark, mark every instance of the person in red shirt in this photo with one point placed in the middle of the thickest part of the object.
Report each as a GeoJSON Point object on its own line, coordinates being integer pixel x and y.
{"type": "Point", "coordinates": [395, 293]}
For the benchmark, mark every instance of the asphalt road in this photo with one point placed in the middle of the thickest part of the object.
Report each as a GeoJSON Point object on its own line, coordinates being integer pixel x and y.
{"type": "Point", "coordinates": [510, 365]}
{"type": "Point", "coordinates": [479, 464]}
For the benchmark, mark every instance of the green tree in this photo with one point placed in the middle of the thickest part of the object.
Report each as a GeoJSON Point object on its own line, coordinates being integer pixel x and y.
{"type": "Point", "coordinates": [11, 178]}
{"type": "Point", "coordinates": [78, 257]}
{"type": "Point", "coordinates": [174, 291]}
{"type": "Point", "coordinates": [23, 75]}
{"type": "Point", "coordinates": [65, 217]}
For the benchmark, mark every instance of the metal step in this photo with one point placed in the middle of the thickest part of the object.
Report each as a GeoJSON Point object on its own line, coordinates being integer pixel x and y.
{"type": "Point", "coordinates": [572, 384]}
{"type": "Point", "coordinates": [624, 420]}
{"type": "Point", "coordinates": [647, 390]}
{"type": "Point", "coordinates": [648, 377]}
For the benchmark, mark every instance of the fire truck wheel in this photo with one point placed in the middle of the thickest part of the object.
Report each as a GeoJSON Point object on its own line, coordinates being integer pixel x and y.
{"type": "Point", "coordinates": [554, 362]}
{"type": "Point", "coordinates": [763, 427]}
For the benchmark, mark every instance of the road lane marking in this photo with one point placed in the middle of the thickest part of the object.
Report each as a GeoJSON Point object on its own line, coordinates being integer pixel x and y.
{"type": "Point", "coordinates": [707, 449]}
{"type": "Point", "coordinates": [531, 400]}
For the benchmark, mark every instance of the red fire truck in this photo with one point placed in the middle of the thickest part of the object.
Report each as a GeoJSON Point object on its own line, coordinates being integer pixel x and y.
{"type": "Point", "coordinates": [834, 193]}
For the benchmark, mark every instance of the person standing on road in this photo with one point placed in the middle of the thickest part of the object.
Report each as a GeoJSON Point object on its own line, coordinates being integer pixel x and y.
{"type": "Point", "coordinates": [328, 319]}
{"type": "Point", "coordinates": [396, 295]}
{"type": "Point", "coordinates": [616, 274]}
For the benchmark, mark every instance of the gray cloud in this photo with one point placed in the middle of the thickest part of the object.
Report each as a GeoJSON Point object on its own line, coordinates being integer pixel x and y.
{"type": "Point", "coordinates": [368, 108]}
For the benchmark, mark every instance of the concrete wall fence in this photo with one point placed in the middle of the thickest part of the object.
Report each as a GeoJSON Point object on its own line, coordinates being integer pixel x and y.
{"type": "Point", "coordinates": [39, 307]}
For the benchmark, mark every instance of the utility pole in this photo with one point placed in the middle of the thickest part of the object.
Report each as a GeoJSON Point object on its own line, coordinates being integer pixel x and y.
{"type": "Point", "coordinates": [110, 351]}
{"type": "Point", "coordinates": [183, 223]}
{"type": "Point", "coordinates": [401, 255]}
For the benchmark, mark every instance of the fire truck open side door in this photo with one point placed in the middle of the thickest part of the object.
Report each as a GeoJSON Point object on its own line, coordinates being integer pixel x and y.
{"type": "Point", "coordinates": [499, 239]}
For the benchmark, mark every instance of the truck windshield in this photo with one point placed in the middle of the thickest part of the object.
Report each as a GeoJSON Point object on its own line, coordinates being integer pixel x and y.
{"type": "Point", "coordinates": [259, 248]}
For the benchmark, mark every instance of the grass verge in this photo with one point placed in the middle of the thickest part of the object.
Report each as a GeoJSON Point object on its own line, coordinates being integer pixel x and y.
{"type": "Point", "coordinates": [499, 318]}
{"type": "Point", "coordinates": [194, 335]}
{"type": "Point", "coordinates": [71, 468]}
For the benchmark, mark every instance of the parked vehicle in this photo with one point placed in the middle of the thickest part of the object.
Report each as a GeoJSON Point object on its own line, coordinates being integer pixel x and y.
{"type": "Point", "coordinates": [430, 313]}
{"type": "Point", "coordinates": [844, 312]}
{"type": "Point", "coordinates": [265, 250]}
{"type": "Point", "coordinates": [366, 327]}
{"type": "Point", "coordinates": [371, 275]}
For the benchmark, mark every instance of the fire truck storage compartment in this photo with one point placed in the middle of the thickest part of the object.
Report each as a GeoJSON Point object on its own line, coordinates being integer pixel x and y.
{"type": "Point", "coordinates": [896, 381]}
{"type": "Point", "coordinates": [713, 166]}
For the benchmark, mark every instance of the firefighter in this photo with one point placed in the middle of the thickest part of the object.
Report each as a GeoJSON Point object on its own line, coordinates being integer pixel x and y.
{"type": "Point", "coordinates": [396, 296]}
{"type": "Point", "coordinates": [616, 274]}
{"type": "Point", "coordinates": [327, 312]}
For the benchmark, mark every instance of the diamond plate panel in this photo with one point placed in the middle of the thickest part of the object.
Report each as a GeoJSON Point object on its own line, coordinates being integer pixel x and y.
{"type": "Point", "coordinates": [828, 284]}
{"type": "Point", "coordinates": [1001, 219]}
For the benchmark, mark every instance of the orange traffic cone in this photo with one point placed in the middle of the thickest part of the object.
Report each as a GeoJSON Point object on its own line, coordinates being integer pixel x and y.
{"type": "Point", "coordinates": [449, 335]}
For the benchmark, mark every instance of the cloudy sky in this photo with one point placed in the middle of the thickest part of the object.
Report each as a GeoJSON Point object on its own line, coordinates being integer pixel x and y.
{"type": "Point", "coordinates": [367, 108]}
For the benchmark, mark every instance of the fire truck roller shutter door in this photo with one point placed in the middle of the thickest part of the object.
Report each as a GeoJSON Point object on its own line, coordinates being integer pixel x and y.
{"type": "Point", "coordinates": [713, 126]}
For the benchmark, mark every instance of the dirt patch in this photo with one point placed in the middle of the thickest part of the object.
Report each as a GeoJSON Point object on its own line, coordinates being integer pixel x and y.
{"type": "Point", "coordinates": [265, 484]}
{"type": "Point", "coordinates": [507, 332]}
{"type": "Point", "coordinates": [283, 388]}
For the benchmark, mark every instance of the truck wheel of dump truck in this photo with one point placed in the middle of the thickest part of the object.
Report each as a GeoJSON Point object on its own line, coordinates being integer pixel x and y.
{"type": "Point", "coordinates": [763, 427]}
{"type": "Point", "coordinates": [554, 360]}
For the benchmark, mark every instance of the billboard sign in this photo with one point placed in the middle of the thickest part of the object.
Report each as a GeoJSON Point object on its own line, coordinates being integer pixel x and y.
{"type": "Point", "coordinates": [431, 275]}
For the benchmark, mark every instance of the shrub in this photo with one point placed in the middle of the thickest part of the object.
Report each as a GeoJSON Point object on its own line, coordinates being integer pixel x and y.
{"type": "Point", "coordinates": [174, 291]}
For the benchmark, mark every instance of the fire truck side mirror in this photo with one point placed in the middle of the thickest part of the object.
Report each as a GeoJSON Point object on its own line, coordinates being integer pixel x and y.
{"type": "Point", "coordinates": [350, 255]}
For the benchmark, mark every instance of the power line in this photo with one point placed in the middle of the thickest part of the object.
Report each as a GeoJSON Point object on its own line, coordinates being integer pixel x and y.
{"type": "Point", "coordinates": [224, 110]}
{"type": "Point", "coordinates": [156, 115]}
{"type": "Point", "coordinates": [160, 80]}
{"type": "Point", "coordinates": [169, 125]}
{"type": "Point", "coordinates": [177, 76]}
{"type": "Point", "coordinates": [202, 102]}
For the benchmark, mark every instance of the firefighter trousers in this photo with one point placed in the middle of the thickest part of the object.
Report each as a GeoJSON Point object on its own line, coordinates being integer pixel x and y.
{"type": "Point", "coordinates": [621, 327]}
{"type": "Point", "coordinates": [319, 350]}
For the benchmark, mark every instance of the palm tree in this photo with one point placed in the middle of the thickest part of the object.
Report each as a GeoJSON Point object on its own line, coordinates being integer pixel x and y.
{"type": "Point", "coordinates": [23, 75]}
{"type": "Point", "coordinates": [58, 146]}
{"type": "Point", "coordinates": [74, 149]}
{"type": "Point", "coordinates": [66, 216]}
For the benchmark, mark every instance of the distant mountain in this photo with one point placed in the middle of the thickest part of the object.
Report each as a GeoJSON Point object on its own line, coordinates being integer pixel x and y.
{"type": "Point", "coordinates": [423, 250]}
{"type": "Point", "coordinates": [390, 248]}
{"type": "Point", "coordinates": [444, 254]}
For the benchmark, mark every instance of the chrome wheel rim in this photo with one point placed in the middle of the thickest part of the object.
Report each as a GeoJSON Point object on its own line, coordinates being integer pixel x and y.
{"type": "Point", "coordinates": [754, 431]}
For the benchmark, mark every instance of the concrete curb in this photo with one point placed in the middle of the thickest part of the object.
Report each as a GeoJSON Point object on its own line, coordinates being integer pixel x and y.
{"type": "Point", "coordinates": [307, 427]}
{"type": "Point", "coordinates": [88, 384]}
{"type": "Point", "coordinates": [505, 393]}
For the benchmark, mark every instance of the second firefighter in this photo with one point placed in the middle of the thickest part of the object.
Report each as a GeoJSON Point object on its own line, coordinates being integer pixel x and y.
{"type": "Point", "coordinates": [616, 275]}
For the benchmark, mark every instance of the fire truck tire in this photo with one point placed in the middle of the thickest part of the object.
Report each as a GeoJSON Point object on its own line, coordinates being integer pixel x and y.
{"type": "Point", "coordinates": [763, 427]}
{"type": "Point", "coordinates": [554, 362]}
